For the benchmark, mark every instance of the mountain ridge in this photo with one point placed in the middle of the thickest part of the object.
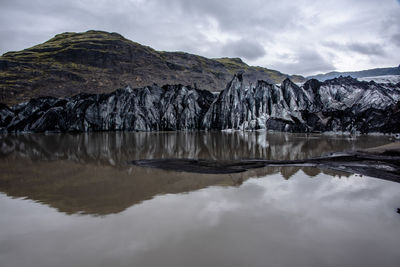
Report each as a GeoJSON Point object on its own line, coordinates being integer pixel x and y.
{"type": "Point", "coordinates": [357, 74]}
{"type": "Point", "coordinates": [98, 62]}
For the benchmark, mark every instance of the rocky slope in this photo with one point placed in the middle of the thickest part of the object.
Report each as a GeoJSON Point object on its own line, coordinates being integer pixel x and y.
{"type": "Point", "coordinates": [98, 62]}
{"type": "Point", "coordinates": [342, 104]}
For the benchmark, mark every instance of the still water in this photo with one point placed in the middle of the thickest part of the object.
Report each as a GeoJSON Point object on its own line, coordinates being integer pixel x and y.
{"type": "Point", "coordinates": [74, 200]}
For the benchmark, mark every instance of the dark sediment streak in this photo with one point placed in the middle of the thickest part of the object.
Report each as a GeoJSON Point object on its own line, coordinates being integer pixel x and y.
{"type": "Point", "coordinates": [381, 162]}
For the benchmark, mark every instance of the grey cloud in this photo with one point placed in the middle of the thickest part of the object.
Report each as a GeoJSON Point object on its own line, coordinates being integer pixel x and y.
{"type": "Point", "coordinates": [396, 38]}
{"type": "Point", "coordinates": [250, 18]}
{"type": "Point", "coordinates": [367, 48]}
{"type": "Point", "coordinates": [390, 30]}
{"type": "Point", "coordinates": [307, 62]}
{"type": "Point", "coordinates": [244, 48]}
{"type": "Point", "coordinates": [205, 27]}
{"type": "Point", "coordinates": [371, 49]}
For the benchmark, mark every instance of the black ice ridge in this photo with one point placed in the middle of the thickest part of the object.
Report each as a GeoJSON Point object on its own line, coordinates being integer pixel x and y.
{"type": "Point", "coordinates": [342, 104]}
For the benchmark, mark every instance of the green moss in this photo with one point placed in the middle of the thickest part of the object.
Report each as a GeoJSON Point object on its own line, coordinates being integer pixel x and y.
{"type": "Point", "coordinates": [66, 41]}
{"type": "Point", "coordinates": [233, 62]}
{"type": "Point", "coordinates": [49, 63]}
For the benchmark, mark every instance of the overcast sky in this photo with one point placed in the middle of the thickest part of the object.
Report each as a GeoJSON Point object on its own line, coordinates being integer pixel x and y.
{"type": "Point", "coordinates": [296, 37]}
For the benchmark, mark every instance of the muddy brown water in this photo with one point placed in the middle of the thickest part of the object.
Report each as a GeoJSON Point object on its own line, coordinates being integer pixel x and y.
{"type": "Point", "coordinates": [74, 200]}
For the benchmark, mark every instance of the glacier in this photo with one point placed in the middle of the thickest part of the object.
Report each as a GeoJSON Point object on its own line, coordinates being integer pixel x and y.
{"type": "Point", "coordinates": [342, 104]}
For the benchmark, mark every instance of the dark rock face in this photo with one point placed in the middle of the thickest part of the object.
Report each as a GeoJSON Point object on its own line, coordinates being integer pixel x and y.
{"type": "Point", "coordinates": [340, 105]}
{"type": "Point", "coordinates": [6, 115]}
{"type": "Point", "coordinates": [144, 109]}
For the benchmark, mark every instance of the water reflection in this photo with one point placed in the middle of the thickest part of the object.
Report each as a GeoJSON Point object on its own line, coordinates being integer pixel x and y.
{"type": "Point", "coordinates": [264, 222]}
{"type": "Point", "coordinates": [115, 148]}
{"type": "Point", "coordinates": [88, 173]}
{"type": "Point", "coordinates": [315, 218]}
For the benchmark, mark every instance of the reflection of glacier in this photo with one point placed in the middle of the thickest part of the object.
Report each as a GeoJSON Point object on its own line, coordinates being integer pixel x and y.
{"type": "Point", "coordinates": [116, 148]}
{"type": "Point", "coordinates": [88, 172]}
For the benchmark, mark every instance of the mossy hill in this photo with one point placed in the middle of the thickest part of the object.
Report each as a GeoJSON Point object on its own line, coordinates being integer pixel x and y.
{"type": "Point", "coordinates": [98, 62]}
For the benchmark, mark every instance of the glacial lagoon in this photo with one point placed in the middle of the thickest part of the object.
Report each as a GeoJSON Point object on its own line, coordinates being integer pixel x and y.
{"type": "Point", "coordinates": [75, 200]}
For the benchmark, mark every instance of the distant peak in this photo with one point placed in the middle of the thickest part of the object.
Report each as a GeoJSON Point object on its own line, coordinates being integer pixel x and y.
{"type": "Point", "coordinates": [234, 60]}
{"type": "Point", "coordinates": [312, 84]}
{"type": "Point", "coordinates": [238, 60]}
{"type": "Point", "coordinates": [342, 80]}
{"type": "Point", "coordinates": [103, 33]}
{"type": "Point", "coordinates": [287, 81]}
{"type": "Point", "coordinates": [89, 33]}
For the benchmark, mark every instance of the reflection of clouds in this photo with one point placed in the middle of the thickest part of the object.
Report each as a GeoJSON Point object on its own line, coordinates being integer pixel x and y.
{"type": "Point", "coordinates": [354, 188]}
{"type": "Point", "coordinates": [270, 221]}
{"type": "Point", "coordinates": [227, 202]}
{"type": "Point", "coordinates": [333, 199]}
